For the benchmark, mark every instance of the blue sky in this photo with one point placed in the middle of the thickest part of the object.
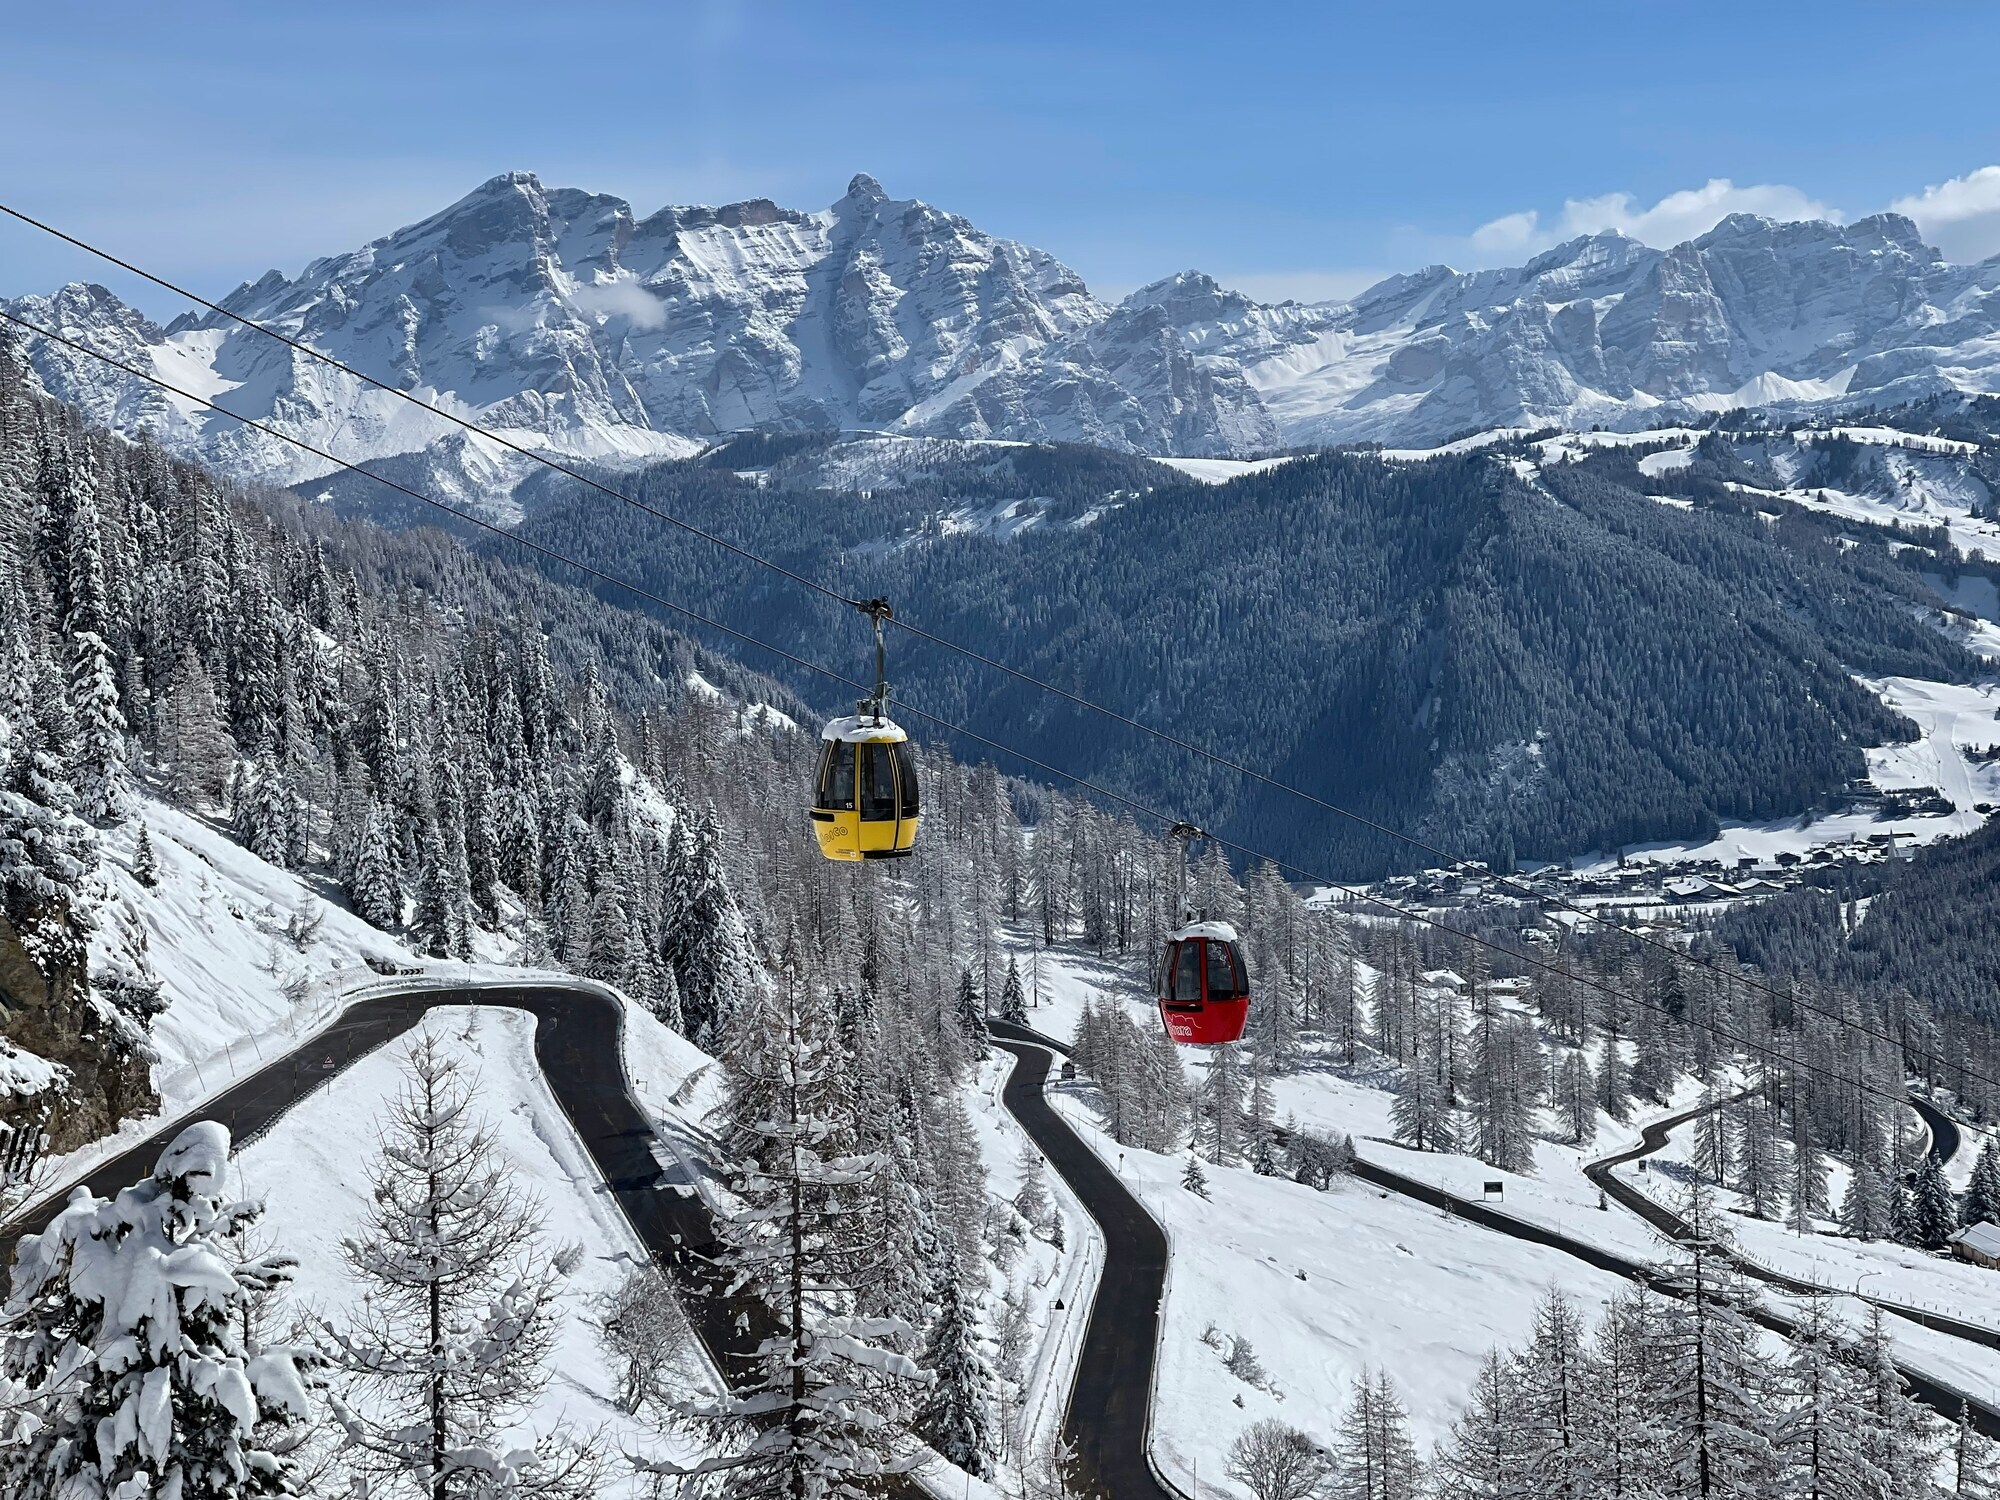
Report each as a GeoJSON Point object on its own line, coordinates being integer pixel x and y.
{"type": "Point", "coordinates": [1294, 149]}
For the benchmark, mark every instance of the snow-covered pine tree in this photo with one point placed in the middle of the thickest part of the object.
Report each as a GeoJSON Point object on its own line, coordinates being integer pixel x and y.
{"type": "Point", "coordinates": [98, 755]}
{"type": "Point", "coordinates": [376, 886]}
{"type": "Point", "coordinates": [608, 952]}
{"type": "Point", "coordinates": [1013, 1001]}
{"type": "Point", "coordinates": [452, 1340]}
{"type": "Point", "coordinates": [1714, 1153]}
{"type": "Point", "coordinates": [1818, 1423]}
{"type": "Point", "coordinates": [805, 1421]}
{"type": "Point", "coordinates": [1374, 1458]}
{"type": "Point", "coordinates": [191, 735]}
{"type": "Point", "coordinates": [1614, 1078]}
{"type": "Point", "coordinates": [1982, 1192]}
{"type": "Point", "coordinates": [437, 925]}
{"type": "Point", "coordinates": [1421, 1116]}
{"type": "Point", "coordinates": [969, 1011]}
{"type": "Point", "coordinates": [706, 943]}
{"type": "Point", "coordinates": [1552, 1391]}
{"type": "Point", "coordinates": [122, 1349]}
{"type": "Point", "coordinates": [1933, 1209]}
{"type": "Point", "coordinates": [1576, 1097]}
{"type": "Point", "coordinates": [955, 1416]}
{"type": "Point", "coordinates": [1219, 1107]}
{"type": "Point", "coordinates": [1867, 1210]}
{"type": "Point", "coordinates": [1900, 1441]}
{"type": "Point", "coordinates": [265, 811]}
{"type": "Point", "coordinates": [1809, 1182]}
{"type": "Point", "coordinates": [46, 851]}
{"type": "Point", "coordinates": [1975, 1466]}
{"type": "Point", "coordinates": [1031, 1199]}
{"type": "Point", "coordinates": [1260, 1121]}
{"type": "Point", "coordinates": [1719, 1384]}
{"type": "Point", "coordinates": [1487, 1454]}
{"type": "Point", "coordinates": [1761, 1164]}
{"type": "Point", "coordinates": [1624, 1433]}
{"type": "Point", "coordinates": [145, 864]}
{"type": "Point", "coordinates": [1193, 1178]}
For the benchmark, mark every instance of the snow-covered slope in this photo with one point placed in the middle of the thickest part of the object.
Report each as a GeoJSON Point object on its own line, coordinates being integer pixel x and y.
{"type": "Point", "coordinates": [571, 324]}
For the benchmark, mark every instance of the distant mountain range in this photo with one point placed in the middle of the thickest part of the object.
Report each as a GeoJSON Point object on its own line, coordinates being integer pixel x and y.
{"type": "Point", "coordinates": [562, 318]}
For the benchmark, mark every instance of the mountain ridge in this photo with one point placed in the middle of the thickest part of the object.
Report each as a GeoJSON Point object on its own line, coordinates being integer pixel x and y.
{"type": "Point", "coordinates": [573, 325]}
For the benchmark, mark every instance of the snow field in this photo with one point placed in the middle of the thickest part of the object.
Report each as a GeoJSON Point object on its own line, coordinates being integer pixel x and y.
{"type": "Point", "coordinates": [1877, 1268]}
{"type": "Point", "coordinates": [1325, 1286]}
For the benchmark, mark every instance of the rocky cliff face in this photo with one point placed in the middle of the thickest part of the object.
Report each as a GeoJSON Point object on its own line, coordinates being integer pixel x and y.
{"type": "Point", "coordinates": [65, 1063]}
{"type": "Point", "coordinates": [561, 318]}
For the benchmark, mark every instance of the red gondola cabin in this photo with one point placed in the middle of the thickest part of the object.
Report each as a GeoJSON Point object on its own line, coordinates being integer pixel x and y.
{"type": "Point", "coordinates": [1204, 994]}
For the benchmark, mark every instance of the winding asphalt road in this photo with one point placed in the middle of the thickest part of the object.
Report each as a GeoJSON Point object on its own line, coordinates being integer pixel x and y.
{"type": "Point", "coordinates": [1124, 1326]}
{"type": "Point", "coordinates": [1945, 1139]}
{"type": "Point", "coordinates": [577, 1046]}
{"type": "Point", "coordinates": [1105, 1424]}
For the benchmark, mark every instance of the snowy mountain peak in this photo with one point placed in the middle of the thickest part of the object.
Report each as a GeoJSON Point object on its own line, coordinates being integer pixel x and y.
{"type": "Point", "coordinates": [861, 188]}
{"type": "Point", "coordinates": [562, 317]}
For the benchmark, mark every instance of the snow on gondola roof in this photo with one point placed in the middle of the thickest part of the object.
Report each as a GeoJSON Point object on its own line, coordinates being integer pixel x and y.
{"type": "Point", "coordinates": [864, 729]}
{"type": "Point", "coordinates": [1219, 930]}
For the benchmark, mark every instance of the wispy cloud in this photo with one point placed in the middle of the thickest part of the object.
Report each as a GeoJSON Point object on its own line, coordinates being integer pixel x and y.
{"type": "Point", "coordinates": [1961, 215]}
{"type": "Point", "coordinates": [1675, 218]}
{"type": "Point", "coordinates": [623, 298]}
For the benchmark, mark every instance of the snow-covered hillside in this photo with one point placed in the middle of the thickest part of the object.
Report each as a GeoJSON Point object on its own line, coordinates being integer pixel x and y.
{"type": "Point", "coordinates": [1329, 1286]}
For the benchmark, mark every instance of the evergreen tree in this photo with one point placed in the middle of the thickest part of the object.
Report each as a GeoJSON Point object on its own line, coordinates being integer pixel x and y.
{"type": "Point", "coordinates": [1194, 1179]}
{"type": "Point", "coordinates": [123, 1351]}
{"type": "Point", "coordinates": [145, 865]}
{"type": "Point", "coordinates": [1868, 1207]}
{"type": "Point", "coordinates": [1487, 1454]}
{"type": "Point", "coordinates": [956, 1414]}
{"type": "Point", "coordinates": [807, 1423]}
{"type": "Point", "coordinates": [1576, 1097]}
{"type": "Point", "coordinates": [1219, 1107]}
{"type": "Point", "coordinates": [1013, 1003]}
{"type": "Point", "coordinates": [376, 888]}
{"type": "Point", "coordinates": [452, 1341]}
{"type": "Point", "coordinates": [1982, 1192]}
{"type": "Point", "coordinates": [1899, 1441]}
{"type": "Point", "coordinates": [1552, 1390]}
{"type": "Point", "coordinates": [46, 851]}
{"type": "Point", "coordinates": [1809, 1185]}
{"type": "Point", "coordinates": [1718, 1384]}
{"type": "Point", "coordinates": [98, 758]}
{"type": "Point", "coordinates": [1933, 1209]}
{"type": "Point", "coordinates": [1374, 1458]}
{"type": "Point", "coordinates": [970, 1013]}
{"type": "Point", "coordinates": [1714, 1139]}
{"type": "Point", "coordinates": [1762, 1166]}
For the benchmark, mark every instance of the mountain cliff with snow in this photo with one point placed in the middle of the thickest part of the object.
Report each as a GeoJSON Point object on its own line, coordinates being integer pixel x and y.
{"type": "Point", "coordinates": [563, 320]}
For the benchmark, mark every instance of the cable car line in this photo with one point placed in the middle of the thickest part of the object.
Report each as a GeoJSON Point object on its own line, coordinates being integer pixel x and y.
{"type": "Point", "coordinates": [1131, 804]}
{"type": "Point", "coordinates": [1560, 903]}
{"type": "Point", "coordinates": [1165, 736]}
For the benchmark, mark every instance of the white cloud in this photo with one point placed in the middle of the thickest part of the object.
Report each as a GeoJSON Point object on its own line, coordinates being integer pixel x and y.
{"type": "Point", "coordinates": [1960, 216]}
{"type": "Point", "coordinates": [1675, 218]}
{"type": "Point", "coordinates": [623, 298]}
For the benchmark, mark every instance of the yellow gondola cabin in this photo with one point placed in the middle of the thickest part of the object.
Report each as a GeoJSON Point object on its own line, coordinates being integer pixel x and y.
{"type": "Point", "coordinates": [865, 806]}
